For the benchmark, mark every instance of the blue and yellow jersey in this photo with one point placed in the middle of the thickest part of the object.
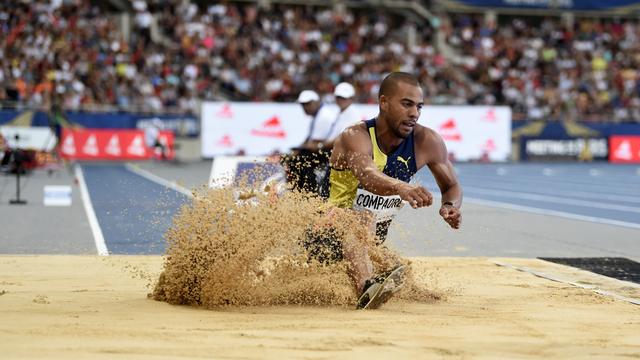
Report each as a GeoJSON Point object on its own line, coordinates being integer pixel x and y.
{"type": "Point", "coordinates": [345, 190]}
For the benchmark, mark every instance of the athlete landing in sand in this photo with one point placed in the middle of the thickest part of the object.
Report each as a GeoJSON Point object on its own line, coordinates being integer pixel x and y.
{"type": "Point", "coordinates": [372, 163]}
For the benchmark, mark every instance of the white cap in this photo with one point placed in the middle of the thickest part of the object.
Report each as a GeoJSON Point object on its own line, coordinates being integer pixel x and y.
{"type": "Point", "coordinates": [308, 96]}
{"type": "Point", "coordinates": [344, 90]}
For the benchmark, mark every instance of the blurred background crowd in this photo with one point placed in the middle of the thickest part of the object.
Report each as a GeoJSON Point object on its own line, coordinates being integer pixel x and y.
{"type": "Point", "coordinates": [168, 55]}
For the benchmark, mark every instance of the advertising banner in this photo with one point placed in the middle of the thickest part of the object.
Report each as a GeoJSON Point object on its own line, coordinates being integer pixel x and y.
{"type": "Point", "coordinates": [258, 129]}
{"type": "Point", "coordinates": [568, 149]}
{"type": "Point", "coordinates": [472, 133]}
{"type": "Point", "coordinates": [624, 149]}
{"type": "Point", "coordinates": [100, 144]}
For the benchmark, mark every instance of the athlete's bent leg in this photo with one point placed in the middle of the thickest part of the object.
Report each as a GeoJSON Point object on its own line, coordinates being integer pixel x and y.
{"type": "Point", "coordinates": [359, 265]}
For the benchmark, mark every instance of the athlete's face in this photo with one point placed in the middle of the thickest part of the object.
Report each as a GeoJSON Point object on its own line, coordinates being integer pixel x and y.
{"type": "Point", "coordinates": [402, 108]}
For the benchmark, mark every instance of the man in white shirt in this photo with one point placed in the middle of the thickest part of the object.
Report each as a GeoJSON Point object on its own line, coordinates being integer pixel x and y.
{"type": "Point", "coordinates": [322, 119]}
{"type": "Point", "coordinates": [301, 164]}
{"type": "Point", "coordinates": [348, 115]}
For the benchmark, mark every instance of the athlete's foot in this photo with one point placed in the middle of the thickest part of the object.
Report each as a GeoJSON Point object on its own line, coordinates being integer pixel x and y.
{"type": "Point", "coordinates": [379, 289]}
{"type": "Point", "coordinates": [371, 287]}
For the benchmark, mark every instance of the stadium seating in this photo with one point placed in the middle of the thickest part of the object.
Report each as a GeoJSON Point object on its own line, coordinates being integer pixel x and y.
{"type": "Point", "coordinates": [171, 54]}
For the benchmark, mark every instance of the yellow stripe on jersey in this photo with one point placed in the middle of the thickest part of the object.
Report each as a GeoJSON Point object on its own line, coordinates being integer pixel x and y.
{"type": "Point", "coordinates": [379, 158]}
{"type": "Point", "coordinates": [344, 185]}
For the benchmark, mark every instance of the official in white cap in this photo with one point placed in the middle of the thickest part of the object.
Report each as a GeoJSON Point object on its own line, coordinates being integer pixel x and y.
{"type": "Point", "coordinates": [344, 91]}
{"type": "Point", "coordinates": [307, 96]}
{"type": "Point", "coordinates": [310, 155]}
{"type": "Point", "coordinates": [322, 118]}
{"type": "Point", "coordinates": [348, 115]}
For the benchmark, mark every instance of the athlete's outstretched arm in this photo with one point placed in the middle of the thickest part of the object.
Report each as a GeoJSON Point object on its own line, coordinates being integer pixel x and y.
{"type": "Point", "coordinates": [445, 176]}
{"type": "Point", "coordinates": [353, 151]}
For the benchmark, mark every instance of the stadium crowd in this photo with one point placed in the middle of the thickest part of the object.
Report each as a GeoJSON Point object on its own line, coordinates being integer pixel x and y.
{"type": "Point", "coordinates": [546, 70]}
{"type": "Point", "coordinates": [68, 51]}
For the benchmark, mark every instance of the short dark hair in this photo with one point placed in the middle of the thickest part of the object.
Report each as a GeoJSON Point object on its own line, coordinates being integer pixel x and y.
{"type": "Point", "coordinates": [389, 82]}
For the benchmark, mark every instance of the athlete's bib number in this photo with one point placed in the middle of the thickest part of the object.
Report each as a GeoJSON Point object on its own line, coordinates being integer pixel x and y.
{"type": "Point", "coordinates": [383, 207]}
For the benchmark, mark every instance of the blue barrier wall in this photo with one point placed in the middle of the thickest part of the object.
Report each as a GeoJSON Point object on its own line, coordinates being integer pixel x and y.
{"type": "Point", "coordinates": [182, 125]}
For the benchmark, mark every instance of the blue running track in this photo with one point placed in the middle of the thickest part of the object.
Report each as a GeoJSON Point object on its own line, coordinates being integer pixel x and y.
{"type": "Point", "coordinates": [133, 212]}
{"type": "Point", "coordinates": [598, 192]}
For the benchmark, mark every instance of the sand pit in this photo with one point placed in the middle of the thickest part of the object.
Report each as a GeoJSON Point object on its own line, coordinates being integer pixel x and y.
{"type": "Point", "coordinates": [92, 307]}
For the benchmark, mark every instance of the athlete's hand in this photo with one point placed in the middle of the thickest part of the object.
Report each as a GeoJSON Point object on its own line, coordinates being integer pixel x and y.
{"type": "Point", "coordinates": [451, 215]}
{"type": "Point", "coordinates": [416, 195]}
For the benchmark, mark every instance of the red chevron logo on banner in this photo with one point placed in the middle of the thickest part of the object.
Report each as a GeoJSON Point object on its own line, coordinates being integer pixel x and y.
{"type": "Point", "coordinates": [271, 128]}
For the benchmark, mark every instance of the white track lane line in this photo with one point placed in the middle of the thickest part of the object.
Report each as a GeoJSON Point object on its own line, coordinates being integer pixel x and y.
{"type": "Point", "coordinates": [545, 182]}
{"type": "Point", "coordinates": [552, 213]}
{"type": "Point", "coordinates": [631, 196]}
{"type": "Point", "coordinates": [556, 194]}
{"type": "Point", "coordinates": [157, 179]}
{"type": "Point", "coordinates": [573, 193]}
{"type": "Point", "coordinates": [564, 281]}
{"type": "Point", "coordinates": [552, 199]}
{"type": "Point", "coordinates": [98, 237]}
{"type": "Point", "coordinates": [541, 211]}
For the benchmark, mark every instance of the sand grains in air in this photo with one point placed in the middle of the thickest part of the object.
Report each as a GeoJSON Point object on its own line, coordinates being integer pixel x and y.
{"type": "Point", "coordinates": [222, 251]}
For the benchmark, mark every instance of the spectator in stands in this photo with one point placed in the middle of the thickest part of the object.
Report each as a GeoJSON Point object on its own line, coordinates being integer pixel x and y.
{"type": "Point", "coordinates": [232, 50]}
{"type": "Point", "coordinates": [550, 70]}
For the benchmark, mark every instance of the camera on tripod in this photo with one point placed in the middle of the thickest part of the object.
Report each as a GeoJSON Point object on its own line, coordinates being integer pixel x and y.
{"type": "Point", "coordinates": [13, 162]}
{"type": "Point", "coordinates": [15, 158]}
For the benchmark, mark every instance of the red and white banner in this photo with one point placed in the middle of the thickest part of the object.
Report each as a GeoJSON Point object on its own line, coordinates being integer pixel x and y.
{"type": "Point", "coordinates": [103, 144]}
{"type": "Point", "coordinates": [258, 129]}
{"type": "Point", "coordinates": [229, 128]}
{"type": "Point", "coordinates": [472, 132]}
{"type": "Point", "coordinates": [624, 149]}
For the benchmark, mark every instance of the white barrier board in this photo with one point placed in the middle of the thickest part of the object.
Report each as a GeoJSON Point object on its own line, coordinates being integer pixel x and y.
{"type": "Point", "coordinates": [470, 132]}
{"type": "Point", "coordinates": [34, 138]}
{"type": "Point", "coordinates": [227, 170]}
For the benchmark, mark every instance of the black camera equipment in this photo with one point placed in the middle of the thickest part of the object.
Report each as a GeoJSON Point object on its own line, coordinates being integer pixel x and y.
{"type": "Point", "coordinates": [19, 157]}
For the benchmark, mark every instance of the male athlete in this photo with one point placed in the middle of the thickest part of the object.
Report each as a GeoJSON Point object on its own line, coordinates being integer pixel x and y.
{"type": "Point", "coordinates": [371, 165]}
